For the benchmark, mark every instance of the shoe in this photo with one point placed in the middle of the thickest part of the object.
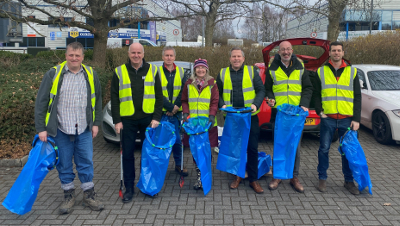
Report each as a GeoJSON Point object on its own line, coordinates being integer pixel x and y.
{"type": "Point", "coordinates": [89, 199]}
{"type": "Point", "coordinates": [351, 187]}
{"type": "Point", "coordinates": [322, 185]}
{"type": "Point", "coordinates": [273, 185]}
{"type": "Point", "coordinates": [184, 172]}
{"type": "Point", "coordinates": [216, 150]}
{"type": "Point", "coordinates": [197, 185]}
{"type": "Point", "coordinates": [128, 195]}
{"type": "Point", "coordinates": [296, 185]}
{"type": "Point", "coordinates": [235, 183]}
{"type": "Point", "coordinates": [256, 187]}
{"type": "Point", "coordinates": [69, 201]}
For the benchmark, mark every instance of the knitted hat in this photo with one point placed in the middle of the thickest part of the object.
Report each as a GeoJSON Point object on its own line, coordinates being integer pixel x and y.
{"type": "Point", "coordinates": [200, 62]}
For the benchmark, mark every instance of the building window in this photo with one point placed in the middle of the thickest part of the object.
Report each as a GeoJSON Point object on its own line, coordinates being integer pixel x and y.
{"type": "Point", "coordinates": [387, 15]}
{"type": "Point", "coordinates": [10, 44]}
{"type": "Point", "coordinates": [396, 25]}
{"type": "Point", "coordinates": [115, 22]}
{"type": "Point", "coordinates": [87, 43]}
{"type": "Point", "coordinates": [57, 21]}
{"type": "Point", "coordinates": [32, 42]}
{"type": "Point", "coordinates": [386, 25]}
{"type": "Point", "coordinates": [89, 21]}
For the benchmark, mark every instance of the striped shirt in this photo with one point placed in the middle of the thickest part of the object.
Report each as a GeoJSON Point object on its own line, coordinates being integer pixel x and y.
{"type": "Point", "coordinates": [72, 103]}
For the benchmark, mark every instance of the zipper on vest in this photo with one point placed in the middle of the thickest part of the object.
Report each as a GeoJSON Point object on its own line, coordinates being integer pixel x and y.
{"type": "Point", "coordinates": [337, 101]}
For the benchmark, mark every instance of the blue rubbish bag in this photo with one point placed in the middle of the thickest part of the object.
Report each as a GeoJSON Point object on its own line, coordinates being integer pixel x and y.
{"type": "Point", "coordinates": [232, 156]}
{"type": "Point", "coordinates": [42, 158]}
{"type": "Point", "coordinates": [156, 151]}
{"type": "Point", "coordinates": [289, 124]}
{"type": "Point", "coordinates": [351, 148]}
{"type": "Point", "coordinates": [177, 125]}
{"type": "Point", "coordinates": [264, 164]}
{"type": "Point", "coordinates": [197, 129]}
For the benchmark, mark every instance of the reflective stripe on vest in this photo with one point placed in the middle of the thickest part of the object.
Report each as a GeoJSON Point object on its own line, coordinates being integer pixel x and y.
{"type": "Point", "coordinates": [199, 105]}
{"type": "Point", "coordinates": [287, 90]}
{"type": "Point", "coordinates": [247, 86]}
{"type": "Point", "coordinates": [126, 107]}
{"type": "Point", "coordinates": [337, 96]}
{"type": "Point", "coordinates": [54, 88]}
{"type": "Point", "coordinates": [179, 74]}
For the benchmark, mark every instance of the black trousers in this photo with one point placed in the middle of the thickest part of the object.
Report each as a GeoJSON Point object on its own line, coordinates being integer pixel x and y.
{"type": "Point", "coordinates": [252, 149]}
{"type": "Point", "coordinates": [129, 134]}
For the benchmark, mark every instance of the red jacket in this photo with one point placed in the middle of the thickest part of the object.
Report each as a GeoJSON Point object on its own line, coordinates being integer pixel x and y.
{"type": "Point", "coordinates": [214, 96]}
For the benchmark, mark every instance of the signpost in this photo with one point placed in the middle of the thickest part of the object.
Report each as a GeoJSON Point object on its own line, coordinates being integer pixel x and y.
{"type": "Point", "coordinates": [313, 35]}
{"type": "Point", "coordinates": [175, 32]}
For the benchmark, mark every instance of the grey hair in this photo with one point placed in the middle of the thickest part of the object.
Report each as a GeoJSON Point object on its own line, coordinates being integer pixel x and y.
{"type": "Point", "coordinates": [236, 48]}
{"type": "Point", "coordinates": [75, 46]}
{"type": "Point", "coordinates": [168, 48]}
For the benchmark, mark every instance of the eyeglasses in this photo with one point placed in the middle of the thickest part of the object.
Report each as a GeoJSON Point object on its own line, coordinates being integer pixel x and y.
{"type": "Point", "coordinates": [284, 50]}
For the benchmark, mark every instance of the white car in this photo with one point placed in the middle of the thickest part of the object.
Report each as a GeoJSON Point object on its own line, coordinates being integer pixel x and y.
{"type": "Point", "coordinates": [109, 133]}
{"type": "Point", "coordinates": [380, 111]}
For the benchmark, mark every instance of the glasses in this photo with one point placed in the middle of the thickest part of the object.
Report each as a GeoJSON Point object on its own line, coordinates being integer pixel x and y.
{"type": "Point", "coordinates": [284, 50]}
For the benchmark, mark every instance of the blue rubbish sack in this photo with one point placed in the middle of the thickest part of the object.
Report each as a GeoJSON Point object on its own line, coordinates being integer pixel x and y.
{"type": "Point", "coordinates": [42, 158]}
{"type": "Point", "coordinates": [197, 129]}
{"type": "Point", "coordinates": [232, 156]}
{"type": "Point", "coordinates": [177, 125]}
{"type": "Point", "coordinates": [351, 148]}
{"type": "Point", "coordinates": [264, 164]}
{"type": "Point", "coordinates": [156, 151]}
{"type": "Point", "coordinates": [289, 124]}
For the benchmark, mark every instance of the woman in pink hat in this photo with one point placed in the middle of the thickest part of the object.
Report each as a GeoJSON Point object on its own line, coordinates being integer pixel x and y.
{"type": "Point", "coordinates": [201, 87]}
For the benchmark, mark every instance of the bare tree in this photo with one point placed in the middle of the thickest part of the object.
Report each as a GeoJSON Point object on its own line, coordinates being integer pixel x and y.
{"type": "Point", "coordinates": [99, 12]}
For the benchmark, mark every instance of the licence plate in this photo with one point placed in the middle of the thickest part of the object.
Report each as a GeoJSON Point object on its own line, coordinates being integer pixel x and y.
{"type": "Point", "coordinates": [309, 121]}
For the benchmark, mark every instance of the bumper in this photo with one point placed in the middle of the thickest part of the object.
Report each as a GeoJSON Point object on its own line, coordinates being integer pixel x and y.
{"type": "Point", "coordinates": [108, 127]}
{"type": "Point", "coordinates": [394, 125]}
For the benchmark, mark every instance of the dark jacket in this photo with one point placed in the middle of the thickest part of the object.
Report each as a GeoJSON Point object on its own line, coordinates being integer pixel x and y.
{"type": "Point", "coordinates": [43, 98]}
{"type": "Point", "coordinates": [170, 88]}
{"type": "Point", "coordinates": [214, 95]}
{"type": "Point", "coordinates": [306, 85]}
{"type": "Point", "coordinates": [237, 98]}
{"type": "Point", "coordinates": [137, 85]}
{"type": "Point", "coordinates": [356, 88]}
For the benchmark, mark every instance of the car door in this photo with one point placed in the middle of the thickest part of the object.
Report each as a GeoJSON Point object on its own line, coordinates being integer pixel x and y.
{"type": "Point", "coordinates": [366, 111]}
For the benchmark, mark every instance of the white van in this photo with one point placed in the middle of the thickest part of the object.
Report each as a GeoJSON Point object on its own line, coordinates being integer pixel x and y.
{"type": "Point", "coordinates": [120, 42]}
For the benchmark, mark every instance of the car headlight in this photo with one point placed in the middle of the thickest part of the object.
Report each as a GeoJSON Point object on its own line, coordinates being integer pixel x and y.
{"type": "Point", "coordinates": [397, 112]}
{"type": "Point", "coordinates": [109, 108]}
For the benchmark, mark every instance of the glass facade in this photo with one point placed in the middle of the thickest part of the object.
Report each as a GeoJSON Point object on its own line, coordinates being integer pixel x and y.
{"type": "Point", "coordinates": [33, 42]}
{"type": "Point", "coordinates": [359, 20]}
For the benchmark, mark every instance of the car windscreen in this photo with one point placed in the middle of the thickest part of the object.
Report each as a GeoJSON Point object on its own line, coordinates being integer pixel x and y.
{"type": "Point", "coordinates": [384, 80]}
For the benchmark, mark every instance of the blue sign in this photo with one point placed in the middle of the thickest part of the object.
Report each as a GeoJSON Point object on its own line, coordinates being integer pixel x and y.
{"type": "Point", "coordinates": [52, 35]}
{"type": "Point", "coordinates": [153, 32]}
{"type": "Point", "coordinates": [78, 34]}
{"type": "Point", "coordinates": [59, 34]}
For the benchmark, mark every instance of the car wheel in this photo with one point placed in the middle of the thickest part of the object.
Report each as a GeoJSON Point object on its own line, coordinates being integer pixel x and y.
{"type": "Point", "coordinates": [110, 141]}
{"type": "Point", "coordinates": [381, 128]}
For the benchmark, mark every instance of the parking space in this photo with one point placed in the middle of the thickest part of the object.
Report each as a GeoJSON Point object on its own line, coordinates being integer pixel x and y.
{"type": "Point", "coordinates": [222, 206]}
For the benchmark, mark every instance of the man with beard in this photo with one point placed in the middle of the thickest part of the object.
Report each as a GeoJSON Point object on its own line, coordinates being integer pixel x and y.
{"type": "Point", "coordinates": [287, 82]}
{"type": "Point", "coordinates": [338, 102]}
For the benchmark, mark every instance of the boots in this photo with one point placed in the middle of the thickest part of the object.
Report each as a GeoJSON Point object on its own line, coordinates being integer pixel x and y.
{"type": "Point", "coordinates": [69, 201]}
{"type": "Point", "coordinates": [197, 185]}
{"type": "Point", "coordinates": [89, 199]}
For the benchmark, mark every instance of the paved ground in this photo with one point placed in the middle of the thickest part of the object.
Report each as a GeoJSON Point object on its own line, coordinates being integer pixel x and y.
{"type": "Point", "coordinates": [222, 206]}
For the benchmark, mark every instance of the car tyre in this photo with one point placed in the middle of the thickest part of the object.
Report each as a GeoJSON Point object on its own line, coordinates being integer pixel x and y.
{"type": "Point", "coordinates": [111, 141]}
{"type": "Point", "coordinates": [381, 128]}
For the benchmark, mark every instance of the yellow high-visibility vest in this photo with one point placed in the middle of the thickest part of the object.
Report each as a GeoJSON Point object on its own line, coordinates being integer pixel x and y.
{"type": "Point", "coordinates": [177, 84]}
{"type": "Point", "coordinates": [199, 104]}
{"type": "Point", "coordinates": [337, 96]}
{"type": "Point", "coordinates": [247, 85]}
{"type": "Point", "coordinates": [54, 88]}
{"type": "Point", "coordinates": [287, 90]}
{"type": "Point", "coordinates": [126, 107]}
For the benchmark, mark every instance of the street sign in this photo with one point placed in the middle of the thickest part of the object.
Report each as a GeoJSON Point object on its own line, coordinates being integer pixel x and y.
{"type": "Point", "coordinates": [52, 35]}
{"type": "Point", "coordinates": [175, 32]}
{"type": "Point", "coordinates": [313, 35]}
{"type": "Point", "coordinates": [127, 42]}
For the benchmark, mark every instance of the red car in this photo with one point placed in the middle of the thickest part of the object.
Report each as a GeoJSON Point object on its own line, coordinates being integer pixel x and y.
{"type": "Point", "coordinates": [312, 122]}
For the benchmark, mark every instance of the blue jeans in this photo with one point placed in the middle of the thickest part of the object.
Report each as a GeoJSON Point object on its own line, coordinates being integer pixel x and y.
{"type": "Point", "coordinates": [80, 148]}
{"type": "Point", "coordinates": [177, 148]}
{"type": "Point", "coordinates": [328, 127]}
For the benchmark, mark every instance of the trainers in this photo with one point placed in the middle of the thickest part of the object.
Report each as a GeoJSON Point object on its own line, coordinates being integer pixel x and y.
{"type": "Point", "coordinates": [69, 201]}
{"type": "Point", "coordinates": [197, 185]}
{"type": "Point", "coordinates": [89, 199]}
{"type": "Point", "coordinates": [184, 172]}
{"type": "Point", "coordinates": [322, 185]}
{"type": "Point", "coordinates": [351, 187]}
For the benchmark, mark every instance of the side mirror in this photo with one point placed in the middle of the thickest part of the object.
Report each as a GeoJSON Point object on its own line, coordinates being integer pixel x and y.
{"type": "Point", "coordinates": [363, 85]}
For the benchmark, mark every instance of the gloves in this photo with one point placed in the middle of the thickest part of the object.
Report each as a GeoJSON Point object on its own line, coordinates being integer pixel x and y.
{"type": "Point", "coordinates": [185, 117]}
{"type": "Point", "coordinates": [211, 119]}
